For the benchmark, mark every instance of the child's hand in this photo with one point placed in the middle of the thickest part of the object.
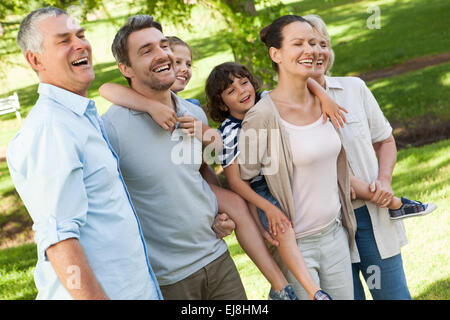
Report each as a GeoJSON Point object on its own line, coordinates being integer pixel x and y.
{"type": "Point", "coordinates": [334, 111]}
{"type": "Point", "coordinates": [164, 116]}
{"type": "Point", "coordinates": [191, 126]}
{"type": "Point", "coordinates": [277, 220]}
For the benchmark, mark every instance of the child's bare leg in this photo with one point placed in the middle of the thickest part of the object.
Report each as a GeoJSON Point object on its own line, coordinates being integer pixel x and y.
{"type": "Point", "coordinates": [293, 259]}
{"type": "Point", "coordinates": [248, 235]}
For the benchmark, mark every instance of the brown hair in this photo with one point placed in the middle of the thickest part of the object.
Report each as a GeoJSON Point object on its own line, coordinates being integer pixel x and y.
{"type": "Point", "coordinates": [119, 46]}
{"type": "Point", "coordinates": [220, 78]}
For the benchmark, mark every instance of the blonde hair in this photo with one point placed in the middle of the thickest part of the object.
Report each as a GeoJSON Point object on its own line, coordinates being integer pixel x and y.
{"type": "Point", "coordinates": [318, 24]}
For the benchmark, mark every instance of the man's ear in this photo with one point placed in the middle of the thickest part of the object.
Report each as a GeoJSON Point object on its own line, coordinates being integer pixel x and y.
{"type": "Point", "coordinates": [274, 54]}
{"type": "Point", "coordinates": [34, 60]}
{"type": "Point", "coordinates": [127, 71]}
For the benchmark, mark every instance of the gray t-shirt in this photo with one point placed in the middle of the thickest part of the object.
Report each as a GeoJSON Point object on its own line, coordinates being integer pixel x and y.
{"type": "Point", "coordinates": [175, 205]}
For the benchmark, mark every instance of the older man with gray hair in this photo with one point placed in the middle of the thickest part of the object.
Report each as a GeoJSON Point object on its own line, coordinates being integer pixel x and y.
{"type": "Point", "coordinates": [90, 244]}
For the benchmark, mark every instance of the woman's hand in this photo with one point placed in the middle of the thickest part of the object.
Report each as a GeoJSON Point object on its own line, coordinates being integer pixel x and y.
{"type": "Point", "coordinates": [277, 220]}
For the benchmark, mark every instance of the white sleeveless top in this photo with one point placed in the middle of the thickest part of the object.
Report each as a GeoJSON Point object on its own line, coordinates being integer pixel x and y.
{"type": "Point", "coordinates": [315, 148]}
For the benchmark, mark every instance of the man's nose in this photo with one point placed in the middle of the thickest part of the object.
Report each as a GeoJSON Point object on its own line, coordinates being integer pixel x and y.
{"type": "Point", "coordinates": [80, 44]}
{"type": "Point", "coordinates": [160, 53]}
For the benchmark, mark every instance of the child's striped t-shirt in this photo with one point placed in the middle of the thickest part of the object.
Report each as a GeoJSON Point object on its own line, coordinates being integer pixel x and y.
{"type": "Point", "coordinates": [229, 131]}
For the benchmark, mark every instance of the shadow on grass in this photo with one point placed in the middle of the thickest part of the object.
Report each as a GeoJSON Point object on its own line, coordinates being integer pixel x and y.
{"type": "Point", "coordinates": [438, 290]}
{"type": "Point", "coordinates": [15, 222]}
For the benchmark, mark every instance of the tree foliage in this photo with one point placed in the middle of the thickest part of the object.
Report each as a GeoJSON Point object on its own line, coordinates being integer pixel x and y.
{"type": "Point", "coordinates": [241, 17]}
{"type": "Point", "coordinates": [243, 22]}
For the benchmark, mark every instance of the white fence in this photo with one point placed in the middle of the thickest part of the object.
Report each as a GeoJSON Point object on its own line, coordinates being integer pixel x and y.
{"type": "Point", "coordinates": [9, 105]}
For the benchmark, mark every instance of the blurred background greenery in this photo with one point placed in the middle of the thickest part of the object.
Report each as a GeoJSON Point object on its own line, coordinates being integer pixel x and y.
{"type": "Point", "coordinates": [415, 101]}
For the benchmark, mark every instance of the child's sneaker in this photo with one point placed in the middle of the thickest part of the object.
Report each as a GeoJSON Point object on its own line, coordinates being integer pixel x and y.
{"type": "Point", "coordinates": [411, 208]}
{"type": "Point", "coordinates": [287, 293]}
{"type": "Point", "coordinates": [322, 295]}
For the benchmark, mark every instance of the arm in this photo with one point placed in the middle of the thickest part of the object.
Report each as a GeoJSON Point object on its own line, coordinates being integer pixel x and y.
{"type": "Point", "coordinates": [202, 131]}
{"type": "Point", "coordinates": [360, 188]}
{"type": "Point", "coordinates": [54, 176]}
{"type": "Point", "coordinates": [384, 146]}
{"type": "Point", "coordinates": [386, 152]}
{"type": "Point", "coordinates": [68, 254]}
{"type": "Point", "coordinates": [223, 226]}
{"type": "Point", "coordinates": [209, 175]}
{"type": "Point", "coordinates": [265, 234]}
{"type": "Point", "coordinates": [329, 107]}
{"type": "Point", "coordinates": [164, 115]}
{"type": "Point", "coordinates": [277, 219]}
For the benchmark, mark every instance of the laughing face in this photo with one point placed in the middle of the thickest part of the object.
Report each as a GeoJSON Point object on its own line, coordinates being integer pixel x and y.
{"type": "Point", "coordinates": [239, 97]}
{"type": "Point", "coordinates": [323, 58]}
{"type": "Point", "coordinates": [151, 60]}
{"type": "Point", "coordinates": [298, 53]}
{"type": "Point", "coordinates": [66, 57]}
{"type": "Point", "coordinates": [183, 65]}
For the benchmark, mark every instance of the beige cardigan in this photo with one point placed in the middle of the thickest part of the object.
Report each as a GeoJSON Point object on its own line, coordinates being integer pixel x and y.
{"type": "Point", "coordinates": [277, 166]}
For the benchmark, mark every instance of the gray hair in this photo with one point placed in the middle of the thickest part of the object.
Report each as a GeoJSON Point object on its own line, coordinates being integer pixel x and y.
{"type": "Point", "coordinates": [318, 24]}
{"type": "Point", "coordinates": [29, 36]}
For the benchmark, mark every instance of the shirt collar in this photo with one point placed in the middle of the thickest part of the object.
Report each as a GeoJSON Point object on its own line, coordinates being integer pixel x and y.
{"type": "Point", "coordinates": [233, 119]}
{"type": "Point", "coordinates": [332, 83]}
{"type": "Point", "coordinates": [70, 100]}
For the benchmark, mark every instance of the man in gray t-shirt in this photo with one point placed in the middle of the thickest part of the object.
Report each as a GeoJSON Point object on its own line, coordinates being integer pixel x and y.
{"type": "Point", "coordinates": [175, 205]}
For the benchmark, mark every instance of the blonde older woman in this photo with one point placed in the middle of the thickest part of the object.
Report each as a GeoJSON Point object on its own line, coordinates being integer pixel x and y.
{"type": "Point", "coordinates": [371, 153]}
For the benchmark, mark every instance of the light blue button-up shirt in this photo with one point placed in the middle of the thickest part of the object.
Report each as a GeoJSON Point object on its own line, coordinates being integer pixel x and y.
{"type": "Point", "coordinates": [68, 177]}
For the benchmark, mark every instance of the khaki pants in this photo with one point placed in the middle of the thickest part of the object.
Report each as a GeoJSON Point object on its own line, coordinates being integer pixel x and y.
{"type": "Point", "coordinates": [218, 280]}
{"type": "Point", "coordinates": [327, 256]}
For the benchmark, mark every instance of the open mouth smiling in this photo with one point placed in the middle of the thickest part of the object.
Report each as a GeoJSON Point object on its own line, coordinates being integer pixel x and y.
{"type": "Point", "coordinates": [245, 100]}
{"type": "Point", "coordinates": [80, 62]}
{"type": "Point", "coordinates": [306, 62]}
{"type": "Point", "coordinates": [162, 68]}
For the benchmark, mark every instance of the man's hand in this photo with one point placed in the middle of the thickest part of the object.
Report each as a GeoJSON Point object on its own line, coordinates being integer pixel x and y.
{"type": "Point", "coordinates": [223, 226]}
{"type": "Point", "coordinates": [383, 193]}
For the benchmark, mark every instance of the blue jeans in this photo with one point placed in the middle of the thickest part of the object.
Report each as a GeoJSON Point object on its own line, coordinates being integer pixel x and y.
{"type": "Point", "coordinates": [385, 277]}
{"type": "Point", "coordinates": [262, 189]}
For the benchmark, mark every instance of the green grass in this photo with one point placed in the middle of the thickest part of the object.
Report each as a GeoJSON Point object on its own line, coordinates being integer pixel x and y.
{"type": "Point", "coordinates": [409, 29]}
{"type": "Point", "coordinates": [415, 95]}
{"type": "Point", "coordinates": [16, 273]}
{"type": "Point", "coordinates": [421, 173]}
